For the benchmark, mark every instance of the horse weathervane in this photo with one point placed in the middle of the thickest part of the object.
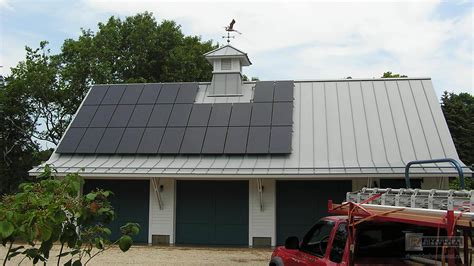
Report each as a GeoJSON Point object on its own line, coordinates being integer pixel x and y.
{"type": "Point", "coordinates": [229, 29]}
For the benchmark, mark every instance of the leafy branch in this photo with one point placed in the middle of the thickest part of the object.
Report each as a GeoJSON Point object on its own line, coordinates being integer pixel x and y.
{"type": "Point", "coordinates": [49, 211]}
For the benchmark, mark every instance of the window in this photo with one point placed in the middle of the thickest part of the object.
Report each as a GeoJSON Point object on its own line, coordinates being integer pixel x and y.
{"type": "Point", "coordinates": [316, 240]}
{"type": "Point", "coordinates": [339, 244]}
{"type": "Point", "coordinates": [226, 64]}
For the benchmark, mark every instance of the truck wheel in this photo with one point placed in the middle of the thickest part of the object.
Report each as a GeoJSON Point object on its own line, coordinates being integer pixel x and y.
{"type": "Point", "coordinates": [276, 261]}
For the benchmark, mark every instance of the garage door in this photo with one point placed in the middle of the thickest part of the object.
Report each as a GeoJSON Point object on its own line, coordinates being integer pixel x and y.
{"type": "Point", "coordinates": [399, 183]}
{"type": "Point", "coordinates": [212, 212]}
{"type": "Point", "coordinates": [301, 203]}
{"type": "Point", "coordinates": [130, 202]}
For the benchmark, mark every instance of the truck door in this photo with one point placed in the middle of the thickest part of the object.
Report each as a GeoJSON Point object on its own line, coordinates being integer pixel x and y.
{"type": "Point", "coordinates": [315, 245]}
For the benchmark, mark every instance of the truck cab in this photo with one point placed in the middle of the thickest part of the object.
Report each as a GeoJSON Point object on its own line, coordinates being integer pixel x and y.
{"type": "Point", "coordinates": [323, 244]}
{"type": "Point", "coordinates": [376, 243]}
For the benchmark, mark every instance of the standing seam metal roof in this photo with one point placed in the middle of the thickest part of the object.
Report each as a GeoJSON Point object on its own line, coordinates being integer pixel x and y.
{"type": "Point", "coordinates": [341, 128]}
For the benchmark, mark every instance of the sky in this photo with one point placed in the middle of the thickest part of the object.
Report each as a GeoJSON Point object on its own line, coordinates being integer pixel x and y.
{"type": "Point", "coordinates": [284, 40]}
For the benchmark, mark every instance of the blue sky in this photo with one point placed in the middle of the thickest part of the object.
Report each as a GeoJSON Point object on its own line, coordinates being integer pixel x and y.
{"type": "Point", "coordinates": [306, 40]}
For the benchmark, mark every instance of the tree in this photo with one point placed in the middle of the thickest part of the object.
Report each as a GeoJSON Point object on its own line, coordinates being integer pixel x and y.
{"type": "Point", "coordinates": [458, 109]}
{"type": "Point", "coordinates": [37, 79]}
{"type": "Point", "coordinates": [389, 74]}
{"type": "Point", "coordinates": [17, 150]}
{"type": "Point", "coordinates": [50, 211]}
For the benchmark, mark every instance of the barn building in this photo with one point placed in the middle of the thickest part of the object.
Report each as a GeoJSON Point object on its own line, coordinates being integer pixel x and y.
{"type": "Point", "coordinates": [233, 162]}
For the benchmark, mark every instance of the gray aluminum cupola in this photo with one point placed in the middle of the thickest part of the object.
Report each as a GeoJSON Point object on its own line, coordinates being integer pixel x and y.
{"type": "Point", "coordinates": [227, 62]}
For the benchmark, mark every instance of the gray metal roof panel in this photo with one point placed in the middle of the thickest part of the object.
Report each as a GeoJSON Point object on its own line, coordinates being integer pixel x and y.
{"type": "Point", "coordinates": [325, 142]}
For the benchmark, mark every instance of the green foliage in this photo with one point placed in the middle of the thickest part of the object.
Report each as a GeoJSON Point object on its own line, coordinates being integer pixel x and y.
{"type": "Point", "coordinates": [51, 210]}
{"type": "Point", "coordinates": [245, 78]}
{"type": "Point", "coordinates": [18, 151]}
{"type": "Point", "coordinates": [458, 109]}
{"type": "Point", "coordinates": [389, 74]}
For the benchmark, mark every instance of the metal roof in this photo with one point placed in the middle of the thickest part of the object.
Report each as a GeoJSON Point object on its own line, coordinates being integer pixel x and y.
{"type": "Point", "coordinates": [342, 128]}
{"type": "Point", "coordinates": [228, 51]}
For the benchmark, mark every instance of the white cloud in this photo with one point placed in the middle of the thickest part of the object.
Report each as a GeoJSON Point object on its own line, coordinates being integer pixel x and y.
{"type": "Point", "coordinates": [315, 40]}
{"type": "Point", "coordinates": [331, 40]}
{"type": "Point", "coordinates": [5, 5]}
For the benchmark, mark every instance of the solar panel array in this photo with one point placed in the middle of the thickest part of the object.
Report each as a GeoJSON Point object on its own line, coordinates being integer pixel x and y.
{"type": "Point", "coordinates": [163, 119]}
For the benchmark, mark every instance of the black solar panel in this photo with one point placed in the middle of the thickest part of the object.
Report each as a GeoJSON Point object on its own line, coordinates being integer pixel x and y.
{"type": "Point", "coordinates": [130, 140]}
{"type": "Point", "coordinates": [140, 115]}
{"type": "Point", "coordinates": [149, 94]}
{"type": "Point", "coordinates": [282, 114]}
{"type": "Point", "coordinates": [283, 91]}
{"type": "Point", "coordinates": [84, 116]}
{"type": "Point", "coordinates": [220, 114]}
{"type": "Point", "coordinates": [96, 95]}
{"type": "Point", "coordinates": [102, 116]}
{"type": "Point", "coordinates": [261, 114]}
{"type": "Point", "coordinates": [263, 92]}
{"type": "Point", "coordinates": [193, 139]}
{"type": "Point", "coordinates": [121, 115]}
{"type": "Point", "coordinates": [110, 141]}
{"type": "Point", "coordinates": [168, 93]}
{"type": "Point", "coordinates": [163, 119]}
{"type": "Point", "coordinates": [90, 140]}
{"type": "Point", "coordinates": [71, 140]}
{"type": "Point", "coordinates": [151, 140]}
{"type": "Point", "coordinates": [236, 141]}
{"type": "Point", "coordinates": [160, 115]}
{"type": "Point", "coordinates": [131, 94]}
{"type": "Point", "coordinates": [258, 140]}
{"type": "Point", "coordinates": [280, 139]}
{"type": "Point", "coordinates": [240, 115]}
{"type": "Point", "coordinates": [172, 139]}
{"type": "Point", "coordinates": [187, 93]}
{"type": "Point", "coordinates": [113, 95]}
{"type": "Point", "coordinates": [199, 115]}
{"type": "Point", "coordinates": [180, 115]}
{"type": "Point", "coordinates": [215, 140]}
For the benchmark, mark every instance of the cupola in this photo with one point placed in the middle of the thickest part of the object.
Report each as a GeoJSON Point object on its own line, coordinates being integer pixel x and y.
{"type": "Point", "coordinates": [227, 62]}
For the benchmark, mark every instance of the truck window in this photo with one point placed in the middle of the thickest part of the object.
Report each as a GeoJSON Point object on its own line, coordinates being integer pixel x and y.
{"type": "Point", "coordinates": [339, 243]}
{"type": "Point", "coordinates": [386, 241]}
{"type": "Point", "coordinates": [316, 240]}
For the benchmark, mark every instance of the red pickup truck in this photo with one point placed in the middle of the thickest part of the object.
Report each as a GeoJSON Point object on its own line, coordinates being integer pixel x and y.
{"type": "Point", "coordinates": [376, 243]}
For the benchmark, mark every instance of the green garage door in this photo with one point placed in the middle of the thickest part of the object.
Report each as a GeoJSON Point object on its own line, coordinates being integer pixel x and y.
{"type": "Point", "coordinates": [399, 183]}
{"type": "Point", "coordinates": [212, 212]}
{"type": "Point", "coordinates": [130, 202]}
{"type": "Point", "coordinates": [301, 203]}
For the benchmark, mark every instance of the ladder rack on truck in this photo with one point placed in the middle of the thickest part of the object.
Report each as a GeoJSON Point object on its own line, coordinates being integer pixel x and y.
{"type": "Point", "coordinates": [447, 209]}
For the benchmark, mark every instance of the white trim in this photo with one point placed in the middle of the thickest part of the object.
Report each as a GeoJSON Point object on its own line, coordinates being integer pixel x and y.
{"type": "Point", "coordinates": [162, 222]}
{"type": "Point", "coordinates": [262, 223]}
{"type": "Point", "coordinates": [341, 176]}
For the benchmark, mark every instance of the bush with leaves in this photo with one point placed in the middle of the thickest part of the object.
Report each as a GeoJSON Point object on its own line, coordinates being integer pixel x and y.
{"type": "Point", "coordinates": [52, 210]}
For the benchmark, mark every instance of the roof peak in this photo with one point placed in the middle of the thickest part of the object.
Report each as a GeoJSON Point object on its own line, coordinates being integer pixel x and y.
{"type": "Point", "coordinates": [228, 51]}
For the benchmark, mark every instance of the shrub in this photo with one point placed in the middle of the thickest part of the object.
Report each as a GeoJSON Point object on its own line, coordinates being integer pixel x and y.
{"type": "Point", "coordinates": [52, 210]}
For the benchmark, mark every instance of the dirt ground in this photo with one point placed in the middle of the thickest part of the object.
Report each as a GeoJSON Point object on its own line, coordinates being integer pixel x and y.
{"type": "Point", "coordinates": [157, 255]}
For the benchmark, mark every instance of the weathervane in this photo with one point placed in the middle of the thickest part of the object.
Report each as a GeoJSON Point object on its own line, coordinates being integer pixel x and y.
{"type": "Point", "coordinates": [229, 29]}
